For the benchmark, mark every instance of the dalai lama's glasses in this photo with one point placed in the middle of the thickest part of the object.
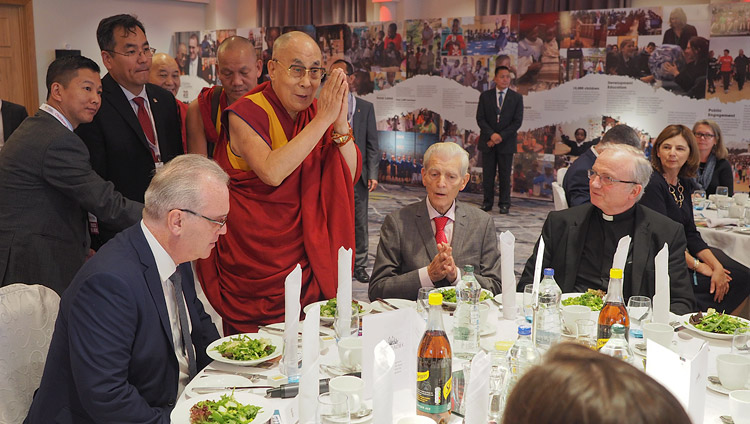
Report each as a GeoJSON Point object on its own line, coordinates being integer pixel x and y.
{"type": "Point", "coordinates": [299, 71]}
{"type": "Point", "coordinates": [606, 179]}
{"type": "Point", "coordinates": [220, 222]}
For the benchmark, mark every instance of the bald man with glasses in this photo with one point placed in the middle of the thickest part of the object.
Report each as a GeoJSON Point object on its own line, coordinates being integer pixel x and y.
{"type": "Point", "coordinates": [292, 163]}
{"type": "Point", "coordinates": [580, 242]}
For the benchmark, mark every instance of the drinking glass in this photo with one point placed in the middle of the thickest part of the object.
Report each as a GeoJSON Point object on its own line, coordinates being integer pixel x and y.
{"type": "Point", "coordinates": [741, 341]}
{"type": "Point", "coordinates": [722, 191]}
{"type": "Point", "coordinates": [699, 199]}
{"type": "Point", "coordinates": [745, 222]}
{"type": "Point", "coordinates": [332, 408]}
{"type": "Point", "coordinates": [722, 206]}
{"type": "Point", "coordinates": [423, 306]}
{"type": "Point", "coordinates": [639, 311]}
{"type": "Point", "coordinates": [585, 333]}
{"type": "Point", "coordinates": [528, 300]}
{"type": "Point", "coordinates": [460, 386]}
{"type": "Point", "coordinates": [346, 329]}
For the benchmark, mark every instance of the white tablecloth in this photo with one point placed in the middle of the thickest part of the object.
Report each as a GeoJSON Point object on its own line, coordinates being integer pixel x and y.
{"type": "Point", "coordinates": [735, 245]}
{"type": "Point", "coordinates": [716, 404]}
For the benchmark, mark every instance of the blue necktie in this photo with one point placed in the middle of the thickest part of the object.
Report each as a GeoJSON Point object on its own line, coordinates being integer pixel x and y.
{"type": "Point", "coordinates": [499, 101]}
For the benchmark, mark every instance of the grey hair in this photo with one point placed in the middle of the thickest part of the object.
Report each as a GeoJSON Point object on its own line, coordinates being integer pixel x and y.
{"type": "Point", "coordinates": [177, 185]}
{"type": "Point", "coordinates": [621, 134]}
{"type": "Point", "coordinates": [640, 168]}
{"type": "Point", "coordinates": [450, 149]}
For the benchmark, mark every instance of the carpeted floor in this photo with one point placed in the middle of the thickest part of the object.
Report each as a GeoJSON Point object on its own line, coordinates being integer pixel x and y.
{"type": "Point", "coordinates": [524, 221]}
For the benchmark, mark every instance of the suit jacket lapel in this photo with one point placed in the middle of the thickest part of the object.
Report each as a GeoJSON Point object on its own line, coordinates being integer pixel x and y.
{"type": "Point", "coordinates": [422, 219]}
{"type": "Point", "coordinates": [156, 112]}
{"type": "Point", "coordinates": [459, 230]}
{"type": "Point", "coordinates": [114, 95]}
{"type": "Point", "coordinates": [574, 248]}
{"type": "Point", "coordinates": [641, 251]}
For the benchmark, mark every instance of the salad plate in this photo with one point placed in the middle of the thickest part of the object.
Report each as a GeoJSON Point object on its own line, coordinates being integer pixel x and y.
{"type": "Point", "coordinates": [450, 293]}
{"type": "Point", "coordinates": [685, 319]}
{"type": "Point", "coordinates": [181, 412]}
{"type": "Point", "coordinates": [364, 309]}
{"type": "Point", "coordinates": [275, 341]}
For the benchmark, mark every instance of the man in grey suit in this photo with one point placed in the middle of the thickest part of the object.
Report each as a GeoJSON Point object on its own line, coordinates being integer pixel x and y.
{"type": "Point", "coordinates": [425, 243]}
{"type": "Point", "coordinates": [362, 120]}
{"type": "Point", "coordinates": [47, 183]}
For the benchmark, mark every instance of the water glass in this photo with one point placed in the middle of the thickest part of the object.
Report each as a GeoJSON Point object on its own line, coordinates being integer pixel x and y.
{"type": "Point", "coordinates": [640, 312]}
{"type": "Point", "coordinates": [741, 341]}
{"type": "Point", "coordinates": [460, 386]}
{"type": "Point", "coordinates": [722, 191]}
{"type": "Point", "coordinates": [699, 199]}
{"type": "Point", "coordinates": [346, 329]}
{"type": "Point", "coordinates": [722, 205]}
{"type": "Point", "coordinates": [528, 300]}
{"type": "Point", "coordinates": [332, 408]}
{"type": "Point", "coordinates": [585, 333]}
{"type": "Point", "coordinates": [745, 222]}
{"type": "Point", "coordinates": [423, 306]}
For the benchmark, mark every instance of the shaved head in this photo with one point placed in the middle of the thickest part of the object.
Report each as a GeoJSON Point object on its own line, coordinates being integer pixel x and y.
{"type": "Point", "coordinates": [282, 43]}
{"type": "Point", "coordinates": [235, 43]}
{"type": "Point", "coordinates": [238, 66]}
{"type": "Point", "coordinates": [165, 73]}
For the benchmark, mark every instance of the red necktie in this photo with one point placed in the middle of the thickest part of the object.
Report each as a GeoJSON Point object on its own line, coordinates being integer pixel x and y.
{"type": "Point", "coordinates": [440, 222]}
{"type": "Point", "coordinates": [148, 129]}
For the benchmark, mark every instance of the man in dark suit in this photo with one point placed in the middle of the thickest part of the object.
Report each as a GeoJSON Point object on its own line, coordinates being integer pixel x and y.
{"type": "Point", "coordinates": [131, 333]}
{"type": "Point", "coordinates": [47, 184]}
{"type": "Point", "coordinates": [137, 128]}
{"type": "Point", "coordinates": [362, 120]}
{"type": "Point", "coordinates": [576, 180]}
{"type": "Point", "coordinates": [425, 243]}
{"type": "Point", "coordinates": [12, 115]}
{"type": "Point", "coordinates": [499, 116]}
{"type": "Point", "coordinates": [580, 242]}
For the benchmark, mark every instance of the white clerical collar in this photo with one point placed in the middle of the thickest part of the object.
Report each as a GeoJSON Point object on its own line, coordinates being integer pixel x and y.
{"type": "Point", "coordinates": [57, 115]}
{"type": "Point", "coordinates": [164, 262]}
{"type": "Point", "coordinates": [433, 213]}
{"type": "Point", "coordinates": [607, 217]}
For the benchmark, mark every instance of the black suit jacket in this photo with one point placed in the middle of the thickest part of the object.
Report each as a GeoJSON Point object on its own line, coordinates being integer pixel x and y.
{"type": "Point", "coordinates": [112, 357]}
{"type": "Point", "coordinates": [118, 147]}
{"type": "Point", "coordinates": [12, 115]}
{"type": "Point", "coordinates": [46, 187]}
{"type": "Point", "coordinates": [366, 136]}
{"type": "Point", "coordinates": [576, 180]}
{"type": "Point", "coordinates": [508, 123]}
{"type": "Point", "coordinates": [564, 234]}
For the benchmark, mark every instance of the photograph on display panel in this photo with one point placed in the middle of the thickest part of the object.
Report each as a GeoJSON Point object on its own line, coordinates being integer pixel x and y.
{"type": "Point", "coordinates": [422, 46]}
{"type": "Point", "coordinates": [452, 40]}
{"type": "Point", "coordinates": [334, 41]}
{"type": "Point", "coordinates": [187, 48]}
{"type": "Point", "coordinates": [583, 29]}
{"type": "Point", "coordinates": [538, 52]}
{"type": "Point", "coordinates": [730, 19]}
{"type": "Point", "coordinates": [492, 35]}
{"type": "Point", "coordinates": [729, 72]}
{"type": "Point", "coordinates": [577, 63]}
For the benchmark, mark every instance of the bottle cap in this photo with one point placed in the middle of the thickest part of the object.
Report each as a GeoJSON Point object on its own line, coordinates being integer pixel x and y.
{"type": "Point", "coordinates": [549, 271]}
{"type": "Point", "coordinates": [503, 345]}
{"type": "Point", "coordinates": [618, 329]}
{"type": "Point", "coordinates": [436, 298]}
{"type": "Point", "coordinates": [524, 330]}
{"type": "Point", "coordinates": [615, 273]}
{"type": "Point", "coordinates": [468, 268]}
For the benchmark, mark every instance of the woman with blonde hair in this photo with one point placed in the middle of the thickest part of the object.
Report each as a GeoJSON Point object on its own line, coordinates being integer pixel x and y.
{"type": "Point", "coordinates": [714, 169]}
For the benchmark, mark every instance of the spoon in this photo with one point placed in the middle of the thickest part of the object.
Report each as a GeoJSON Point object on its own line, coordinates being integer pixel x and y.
{"type": "Point", "coordinates": [360, 414]}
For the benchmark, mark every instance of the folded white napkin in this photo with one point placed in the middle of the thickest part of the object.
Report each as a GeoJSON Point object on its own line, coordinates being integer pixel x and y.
{"type": "Point", "coordinates": [477, 395]}
{"type": "Point", "coordinates": [292, 287]}
{"type": "Point", "coordinates": [382, 401]}
{"type": "Point", "coordinates": [661, 295]}
{"type": "Point", "coordinates": [538, 269]}
{"type": "Point", "coordinates": [720, 222]}
{"type": "Point", "coordinates": [309, 380]}
{"type": "Point", "coordinates": [507, 261]}
{"type": "Point", "coordinates": [621, 254]}
{"type": "Point", "coordinates": [344, 290]}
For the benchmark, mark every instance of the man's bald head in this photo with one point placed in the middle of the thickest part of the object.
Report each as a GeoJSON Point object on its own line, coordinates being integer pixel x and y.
{"type": "Point", "coordinates": [283, 42]}
{"type": "Point", "coordinates": [238, 66]}
{"type": "Point", "coordinates": [293, 52]}
{"type": "Point", "coordinates": [165, 73]}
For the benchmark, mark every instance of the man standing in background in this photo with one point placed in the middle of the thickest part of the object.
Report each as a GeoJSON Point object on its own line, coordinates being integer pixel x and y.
{"type": "Point", "coordinates": [725, 63]}
{"type": "Point", "coordinates": [740, 69]}
{"type": "Point", "coordinates": [165, 73]}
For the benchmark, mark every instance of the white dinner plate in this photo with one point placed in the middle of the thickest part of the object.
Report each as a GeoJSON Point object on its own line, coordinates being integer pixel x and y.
{"type": "Point", "coordinates": [742, 230]}
{"type": "Point", "coordinates": [223, 380]}
{"type": "Point", "coordinates": [275, 340]}
{"type": "Point", "coordinates": [399, 303]}
{"type": "Point", "coordinates": [181, 412]}
{"type": "Point", "coordinates": [685, 319]}
{"type": "Point", "coordinates": [453, 304]}
{"type": "Point", "coordinates": [487, 329]}
{"type": "Point", "coordinates": [366, 309]}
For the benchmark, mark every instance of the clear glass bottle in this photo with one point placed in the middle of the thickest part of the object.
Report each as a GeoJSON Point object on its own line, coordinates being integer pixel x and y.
{"type": "Point", "coordinates": [466, 317]}
{"type": "Point", "coordinates": [548, 317]}
{"type": "Point", "coordinates": [434, 361]}
{"type": "Point", "coordinates": [613, 311]}
{"type": "Point", "coordinates": [617, 346]}
{"type": "Point", "coordinates": [499, 376]}
{"type": "Point", "coordinates": [522, 355]}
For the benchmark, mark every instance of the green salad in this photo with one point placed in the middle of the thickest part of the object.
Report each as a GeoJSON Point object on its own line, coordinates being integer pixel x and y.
{"type": "Point", "coordinates": [449, 295]}
{"type": "Point", "coordinates": [329, 308]}
{"type": "Point", "coordinates": [714, 322]}
{"type": "Point", "coordinates": [225, 410]}
{"type": "Point", "coordinates": [594, 299]}
{"type": "Point", "coordinates": [245, 348]}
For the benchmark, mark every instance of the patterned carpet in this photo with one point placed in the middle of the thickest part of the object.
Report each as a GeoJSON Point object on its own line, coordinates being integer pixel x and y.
{"type": "Point", "coordinates": [524, 221]}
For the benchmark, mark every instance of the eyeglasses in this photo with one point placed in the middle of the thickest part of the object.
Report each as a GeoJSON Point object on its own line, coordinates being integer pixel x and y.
{"type": "Point", "coordinates": [298, 71]}
{"type": "Point", "coordinates": [148, 52]}
{"type": "Point", "coordinates": [704, 135]}
{"type": "Point", "coordinates": [606, 179]}
{"type": "Point", "coordinates": [220, 222]}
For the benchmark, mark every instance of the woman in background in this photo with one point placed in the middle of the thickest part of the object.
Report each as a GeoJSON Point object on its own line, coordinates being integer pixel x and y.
{"type": "Point", "coordinates": [714, 170]}
{"type": "Point", "coordinates": [679, 32]}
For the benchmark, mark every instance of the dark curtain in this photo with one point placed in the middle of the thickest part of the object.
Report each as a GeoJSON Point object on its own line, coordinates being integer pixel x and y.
{"type": "Point", "coordinates": [502, 7]}
{"type": "Point", "coordinates": [310, 12]}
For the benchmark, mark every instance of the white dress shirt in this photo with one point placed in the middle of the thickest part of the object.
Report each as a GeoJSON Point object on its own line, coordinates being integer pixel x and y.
{"type": "Point", "coordinates": [130, 96]}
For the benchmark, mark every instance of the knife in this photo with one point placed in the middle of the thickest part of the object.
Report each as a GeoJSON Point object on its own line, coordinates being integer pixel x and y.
{"type": "Point", "coordinates": [208, 389]}
{"type": "Point", "coordinates": [389, 304]}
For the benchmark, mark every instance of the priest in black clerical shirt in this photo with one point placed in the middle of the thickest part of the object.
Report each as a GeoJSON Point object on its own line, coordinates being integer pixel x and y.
{"type": "Point", "coordinates": [580, 242]}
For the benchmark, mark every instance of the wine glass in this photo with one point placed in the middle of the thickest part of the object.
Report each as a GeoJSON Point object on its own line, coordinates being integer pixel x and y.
{"type": "Point", "coordinates": [722, 191]}
{"type": "Point", "coordinates": [741, 341]}
{"type": "Point", "coordinates": [699, 199]}
{"type": "Point", "coordinates": [585, 333]}
{"type": "Point", "coordinates": [349, 328]}
{"type": "Point", "coordinates": [423, 306]}
{"type": "Point", "coordinates": [639, 311]}
{"type": "Point", "coordinates": [332, 408]}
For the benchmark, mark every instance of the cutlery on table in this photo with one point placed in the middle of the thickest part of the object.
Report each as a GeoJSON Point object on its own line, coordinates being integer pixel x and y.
{"type": "Point", "coordinates": [206, 390]}
{"type": "Point", "coordinates": [250, 376]}
{"type": "Point", "coordinates": [277, 330]}
{"type": "Point", "coordinates": [726, 419]}
{"type": "Point", "coordinates": [387, 303]}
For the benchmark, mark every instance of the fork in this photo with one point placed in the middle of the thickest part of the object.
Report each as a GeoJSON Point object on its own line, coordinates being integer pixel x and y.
{"type": "Point", "coordinates": [250, 376]}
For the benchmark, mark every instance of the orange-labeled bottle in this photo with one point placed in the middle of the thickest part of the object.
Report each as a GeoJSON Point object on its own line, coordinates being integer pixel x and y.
{"type": "Point", "coordinates": [613, 311]}
{"type": "Point", "coordinates": [434, 360]}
